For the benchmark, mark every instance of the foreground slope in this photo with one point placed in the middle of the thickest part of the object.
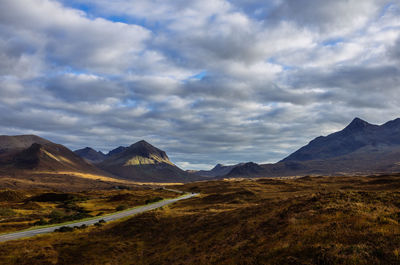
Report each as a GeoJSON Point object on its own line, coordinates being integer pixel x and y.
{"type": "Point", "coordinates": [326, 220]}
{"type": "Point", "coordinates": [143, 162]}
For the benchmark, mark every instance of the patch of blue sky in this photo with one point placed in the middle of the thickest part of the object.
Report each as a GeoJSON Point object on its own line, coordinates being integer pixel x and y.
{"type": "Point", "coordinates": [199, 76]}
{"type": "Point", "coordinates": [128, 103]}
{"type": "Point", "coordinates": [333, 42]}
{"type": "Point", "coordinates": [63, 70]}
{"type": "Point", "coordinates": [272, 60]}
{"type": "Point", "coordinates": [92, 12]}
{"type": "Point", "coordinates": [387, 8]}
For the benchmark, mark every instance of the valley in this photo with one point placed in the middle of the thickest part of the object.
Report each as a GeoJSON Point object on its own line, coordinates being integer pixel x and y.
{"type": "Point", "coordinates": [333, 201]}
{"type": "Point", "coordinates": [200, 132]}
{"type": "Point", "coordinates": [308, 220]}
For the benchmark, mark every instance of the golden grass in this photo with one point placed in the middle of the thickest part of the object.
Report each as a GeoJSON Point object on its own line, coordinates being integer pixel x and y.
{"type": "Point", "coordinates": [58, 158]}
{"type": "Point", "coordinates": [27, 211]}
{"type": "Point", "coordinates": [318, 220]}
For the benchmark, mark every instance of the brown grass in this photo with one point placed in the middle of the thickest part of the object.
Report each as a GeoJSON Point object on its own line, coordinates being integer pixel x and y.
{"type": "Point", "coordinates": [311, 220]}
{"type": "Point", "coordinates": [21, 210]}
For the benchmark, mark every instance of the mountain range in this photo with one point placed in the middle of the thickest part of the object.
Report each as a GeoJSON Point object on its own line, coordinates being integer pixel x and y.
{"type": "Point", "coordinates": [361, 148]}
{"type": "Point", "coordinates": [140, 161]}
{"type": "Point", "coordinates": [143, 162]}
{"type": "Point", "coordinates": [31, 152]}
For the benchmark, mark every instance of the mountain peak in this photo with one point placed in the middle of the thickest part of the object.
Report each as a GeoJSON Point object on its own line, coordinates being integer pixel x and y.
{"type": "Point", "coordinates": [90, 154]}
{"type": "Point", "coordinates": [143, 148]}
{"type": "Point", "coordinates": [218, 166]}
{"type": "Point", "coordinates": [357, 124]}
{"type": "Point", "coordinates": [139, 153]}
{"type": "Point", "coordinates": [141, 143]}
{"type": "Point", "coordinates": [117, 150]}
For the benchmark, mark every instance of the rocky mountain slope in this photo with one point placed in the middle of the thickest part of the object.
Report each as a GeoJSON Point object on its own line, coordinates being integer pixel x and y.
{"type": "Point", "coordinates": [143, 162]}
{"type": "Point", "coordinates": [33, 162]}
{"type": "Point", "coordinates": [358, 134]}
{"type": "Point", "coordinates": [360, 147]}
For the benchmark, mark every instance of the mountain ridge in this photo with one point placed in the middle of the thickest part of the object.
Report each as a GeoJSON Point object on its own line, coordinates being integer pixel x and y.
{"type": "Point", "coordinates": [91, 155]}
{"type": "Point", "coordinates": [354, 136]}
{"type": "Point", "coordinates": [142, 161]}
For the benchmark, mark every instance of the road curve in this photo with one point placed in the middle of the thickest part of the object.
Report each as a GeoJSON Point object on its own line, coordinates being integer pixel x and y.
{"type": "Point", "coordinates": [107, 218]}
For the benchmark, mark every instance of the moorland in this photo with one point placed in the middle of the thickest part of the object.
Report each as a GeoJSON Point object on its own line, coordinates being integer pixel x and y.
{"type": "Point", "coordinates": [306, 220]}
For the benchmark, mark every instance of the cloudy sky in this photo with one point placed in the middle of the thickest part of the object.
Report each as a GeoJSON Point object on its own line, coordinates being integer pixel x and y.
{"type": "Point", "coordinates": [208, 81]}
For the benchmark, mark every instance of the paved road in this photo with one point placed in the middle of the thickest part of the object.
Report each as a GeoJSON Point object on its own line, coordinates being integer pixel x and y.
{"type": "Point", "coordinates": [112, 217]}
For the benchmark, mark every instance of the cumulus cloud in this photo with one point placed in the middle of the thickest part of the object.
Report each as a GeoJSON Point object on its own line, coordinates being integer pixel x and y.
{"type": "Point", "coordinates": [207, 81]}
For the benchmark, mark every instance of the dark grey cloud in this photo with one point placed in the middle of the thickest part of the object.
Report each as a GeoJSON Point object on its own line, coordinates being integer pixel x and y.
{"type": "Point", "coordinates": [212, 81]}
{"type": "Point", "coordinates": [395, 50]}
{"type": "Point", "coordinates": [335, 17]}
{"type": "Point", "coordinates": [87, 88]}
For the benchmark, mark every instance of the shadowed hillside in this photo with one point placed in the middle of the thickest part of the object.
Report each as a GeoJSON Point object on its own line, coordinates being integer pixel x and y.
{"type": "Point", "coordinates": [28, 161]}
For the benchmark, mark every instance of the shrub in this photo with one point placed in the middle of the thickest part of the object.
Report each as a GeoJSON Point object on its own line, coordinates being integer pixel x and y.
{"type": "Point", "coordinates": [64, 229]}
{"type": "Point", "coordinates": [56, 214]}
{"type": "Point", "coordinates": [41, 222]}
{"type": "Point", "coordinates": [6, 212]}
{"type": "Point", "coordinates": [121, 207]}
{"type": "Point", "coordinates": [156, 199]}
{"type": "Point", "coordinates": [56, 197]}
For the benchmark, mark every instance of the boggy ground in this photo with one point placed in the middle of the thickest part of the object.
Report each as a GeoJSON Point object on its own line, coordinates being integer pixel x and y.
{"type": "Point", "coordinates": [310, 220]}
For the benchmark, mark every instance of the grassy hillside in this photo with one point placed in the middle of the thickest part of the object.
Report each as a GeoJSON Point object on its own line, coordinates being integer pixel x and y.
{"type": "Point", "coordinates": [335, 220]}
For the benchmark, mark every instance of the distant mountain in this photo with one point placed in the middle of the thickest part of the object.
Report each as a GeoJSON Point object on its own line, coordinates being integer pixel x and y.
{"type": "Point", "coordinates": [360, 148]}
{"type": "Point", "coordinates": [91, 155]}
{"type": "Point", "coordinates": [143, 162]}
{"type": "Point", "coordinates": [30, 152]}
{"type": "Point", "coordinates": [95, 157]}
{"type": "Point", "coordinates": [243, 170]}
{"type": "Point", "coordinates": [117, 150]}
{"type": "Point", "coordinates": [218, 170]}
{"type": "Point", "coordinates": [358, 134]}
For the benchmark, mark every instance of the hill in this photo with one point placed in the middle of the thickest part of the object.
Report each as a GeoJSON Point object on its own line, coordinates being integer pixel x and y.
{"type": "Point", "coordinates": [19, 142]}
{"type": "Point", "coordinates": [30, 161]}
{"type": "Point", "coordinates": [143, 162]}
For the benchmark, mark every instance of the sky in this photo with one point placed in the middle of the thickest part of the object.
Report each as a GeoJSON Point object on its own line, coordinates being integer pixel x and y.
{"type": "Point", "coordinates": [208, 81]}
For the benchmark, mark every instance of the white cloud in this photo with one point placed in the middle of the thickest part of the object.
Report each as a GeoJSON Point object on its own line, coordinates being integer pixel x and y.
{"type": "Point", "coordinates": [208, 81]}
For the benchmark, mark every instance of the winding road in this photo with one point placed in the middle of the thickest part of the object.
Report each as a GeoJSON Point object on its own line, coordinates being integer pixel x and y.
{"type": "Point", "coordinates": [107, 218]}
